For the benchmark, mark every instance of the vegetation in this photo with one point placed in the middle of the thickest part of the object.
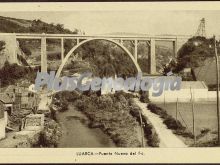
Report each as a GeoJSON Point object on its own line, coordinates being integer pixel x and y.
{"type": "Point", "coordinates": [192, 54]}
{"type": "Point", "coordinates": [116, 114]}
{"type": "Point", "coordinates": [105, 59]}
{"type": "Point", "coordinates": [144, 96]}
{"type": "Point", "coordinates": [11, 25]}
{"type": "Point", "coordinates": [53, 56]}
{"type": "Point", "coordinates": [111, 113]}
{"type": "Point", "coordinates": [149, 132]}
{"type": "Point", "coordinates": [169, 121]}
{"type": "Point", "coordinates": [8, 26]}
{"type": "Point", "coordinates": [210, 143]}
{"type": "Point", "coordinates": [11, 73]}
{"type": "Point", "coordinates": [24, 47]}
{"type": "Point", "coordinates": [50, 136]}
{"type": "Point", "coordinates": [2, 45]}
{"type": "Point", "coordinates": [100, 57]}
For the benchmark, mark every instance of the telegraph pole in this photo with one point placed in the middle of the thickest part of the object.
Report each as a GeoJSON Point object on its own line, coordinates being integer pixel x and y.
{"type": "Point", "coordinates": [176, 108]}
{"type": "Point", "coordinates": [193, 115]}
{"type": "Point", "coordinates": [217, 81]}
{"type": "Point", "coordinates": [142, 132]}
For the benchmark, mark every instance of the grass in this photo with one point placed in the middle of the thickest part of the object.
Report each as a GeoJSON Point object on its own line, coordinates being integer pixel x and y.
{"type": "Point", "coordinates": [149, 132]}
{"type": "Point", "coordinates": [205, 115]}
{"type": "Point", "coordinates": [205, 122]}
{"type": "Point", "coordinates": [171, 123]}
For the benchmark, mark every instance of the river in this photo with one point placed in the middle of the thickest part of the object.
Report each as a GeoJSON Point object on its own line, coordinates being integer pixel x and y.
{"type": "Point", "coordinates": [76, 133]}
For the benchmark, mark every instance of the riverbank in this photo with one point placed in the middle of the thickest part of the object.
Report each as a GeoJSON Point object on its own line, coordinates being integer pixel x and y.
{"type": "Point", "coordinates": [109, 113]}
{"type": "Point", "coordinates": [76, 133]}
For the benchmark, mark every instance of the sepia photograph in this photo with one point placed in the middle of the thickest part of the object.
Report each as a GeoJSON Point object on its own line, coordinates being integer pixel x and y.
{"type": "Point", "coordinates": [109, 76]}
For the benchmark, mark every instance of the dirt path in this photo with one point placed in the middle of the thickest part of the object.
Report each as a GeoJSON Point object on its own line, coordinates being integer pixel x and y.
{"type": "Point", "coordinates": [166, 136]}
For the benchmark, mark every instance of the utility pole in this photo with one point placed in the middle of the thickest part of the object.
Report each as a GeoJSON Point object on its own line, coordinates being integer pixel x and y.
{"type": "Point", "coordinates": [176, 108]}
{"type": "Point", "coordinates": [217, 81]}
{"type": "Point", "coordinates": [142, 132]}
{"type": "Point", "coordinates": [194, 130]}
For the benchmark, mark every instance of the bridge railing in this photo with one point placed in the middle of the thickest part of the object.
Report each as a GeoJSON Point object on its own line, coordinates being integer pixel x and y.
{"type": "Point", "coordinates": [140, 37]}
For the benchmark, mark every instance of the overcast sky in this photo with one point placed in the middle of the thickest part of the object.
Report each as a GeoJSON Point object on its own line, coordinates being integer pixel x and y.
{"type": "Point", "coordinates": [142, 21]}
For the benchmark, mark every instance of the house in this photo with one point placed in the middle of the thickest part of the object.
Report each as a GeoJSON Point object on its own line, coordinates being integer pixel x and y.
{"type": "Point", "coordinates": [196, 90]}
{"type": "Point", "coordinates": [206, 72]}
{"type": "Point", "coordinates": [2, 121]}
{"type": "Point", "coordinates": [22, 97]}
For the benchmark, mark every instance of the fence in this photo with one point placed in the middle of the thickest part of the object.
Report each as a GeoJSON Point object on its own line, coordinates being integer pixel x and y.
{"type": "Point", "coordinates": [205, 115]}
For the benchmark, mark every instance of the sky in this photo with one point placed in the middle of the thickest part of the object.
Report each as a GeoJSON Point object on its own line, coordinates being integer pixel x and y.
{"type": "Point", "coordinates": [152, 22]}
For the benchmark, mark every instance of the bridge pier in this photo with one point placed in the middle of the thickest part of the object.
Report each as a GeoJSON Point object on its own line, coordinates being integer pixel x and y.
{"type": "Point", "coordinates": [43, 54]}
{"type": "Point", "coordinates": [11, 49]}
{"type": "Point", "coordinates": [77, 41]}
{"type": "Point", "coordinates": [175, 48]}
{"type": "Point", "coordinates": [121, 41]}
{"type": "Point", "coordinates": [152, 57]}
{"type": "Point", "coordinates": [62, 49]}
{"type": "Point", "coordinates": [135, 50]}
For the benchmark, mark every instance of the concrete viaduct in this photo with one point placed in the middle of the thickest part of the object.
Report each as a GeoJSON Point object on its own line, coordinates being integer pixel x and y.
{"type": "Point", "coordinates": [177, 42]}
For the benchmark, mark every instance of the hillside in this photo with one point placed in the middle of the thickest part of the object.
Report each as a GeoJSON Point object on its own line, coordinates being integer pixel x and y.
{"type": "Point", "coordinates": [197, 53]}
{"type": "Point", "coordinates": [164, 51]}
{"type": "Point", "coordinates": [14, 25]}
{"type": "Point", "coordinates": [11, 68]}
{"type": "Point", "coordinates": [30, 47]}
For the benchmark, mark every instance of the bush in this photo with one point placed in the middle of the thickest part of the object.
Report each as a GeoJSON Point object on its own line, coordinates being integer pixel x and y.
{"type": "Point", "coordinates": [11, 73]}
{"type": "Point", "coordinates": [173, 124]}
{"type": "Point", "coordinates": [63, 107]}
{"type": "Point", "coordinates": [153, 141]}
{"type": "Point", "coordinates": [50, 136]}
{"type": "Point", "coordinates": [144, 97]}
{"type": "Point", "coordinates": [184, 133]}
{"type": "Point", "coordinates": [157, 110]}
{"type": "Point", "coordinates": [210, 143]}
{"type": "Point", "coordinates": [150, 134]}
{"type": "Point", "coordinates": [170, 122]}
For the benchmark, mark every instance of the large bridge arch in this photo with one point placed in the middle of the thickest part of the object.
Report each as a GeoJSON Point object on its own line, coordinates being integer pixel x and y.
{"type": "Point", "coordinates": [92, 39]}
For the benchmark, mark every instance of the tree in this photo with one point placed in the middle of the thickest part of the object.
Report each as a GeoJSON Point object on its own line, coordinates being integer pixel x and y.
{"type": "Point", "coordinates": [2, 45]}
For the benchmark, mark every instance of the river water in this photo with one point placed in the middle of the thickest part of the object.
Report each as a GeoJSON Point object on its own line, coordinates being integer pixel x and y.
{"type": "Point", "coordinates": [77, 134]}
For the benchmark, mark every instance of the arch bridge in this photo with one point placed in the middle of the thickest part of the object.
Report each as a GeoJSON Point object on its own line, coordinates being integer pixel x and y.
{"type": "Point", "coordinates": [177, 42]}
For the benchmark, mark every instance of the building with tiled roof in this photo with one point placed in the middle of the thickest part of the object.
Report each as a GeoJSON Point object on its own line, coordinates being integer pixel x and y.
{"type": "Point", "coordinates": [5, 98]}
